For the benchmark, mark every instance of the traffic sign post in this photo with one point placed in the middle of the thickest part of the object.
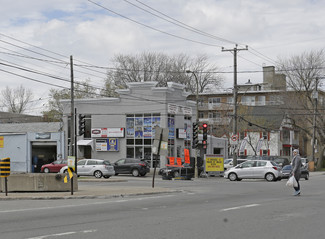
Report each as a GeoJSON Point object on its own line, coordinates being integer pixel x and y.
{"type": "Point", "coordinates": [234, 139]}
{"type": "Point", "coordinates": [5, 171]}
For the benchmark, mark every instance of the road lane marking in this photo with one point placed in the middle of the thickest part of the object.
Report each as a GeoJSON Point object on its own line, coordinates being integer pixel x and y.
{"type": "Point", "coordinates": [239, 207]}
{"type": "Point", "coordinates": [61, 234]}
{"type": "Point", "coordinates": [87, 204]}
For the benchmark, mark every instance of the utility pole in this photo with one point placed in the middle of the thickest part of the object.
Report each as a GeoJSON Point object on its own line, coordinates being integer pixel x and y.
{"type": "Point", "coordinates": [315, 97]}
{"type": "Point", "coordinates": [235, 92]}
{"type": "Point", "coordinates": [196, 174]}
{"type": "Point", "coordinates": [72, 118]}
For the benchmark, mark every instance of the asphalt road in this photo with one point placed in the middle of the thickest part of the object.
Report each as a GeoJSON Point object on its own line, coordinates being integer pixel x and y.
{"type": "Point", "coordinates": [206, 208]}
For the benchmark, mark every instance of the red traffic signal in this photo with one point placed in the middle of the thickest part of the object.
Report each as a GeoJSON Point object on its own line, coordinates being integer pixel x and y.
{"type": "Point", "coordinates": [205, 131]}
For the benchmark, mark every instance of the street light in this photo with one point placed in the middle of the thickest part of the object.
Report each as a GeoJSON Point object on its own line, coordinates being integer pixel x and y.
{"type": "Point", "coordinates": [197, 118]}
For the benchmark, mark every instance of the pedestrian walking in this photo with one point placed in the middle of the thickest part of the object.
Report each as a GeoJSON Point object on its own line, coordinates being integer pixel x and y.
{"type": "Point", "coordinates": [296, 170]}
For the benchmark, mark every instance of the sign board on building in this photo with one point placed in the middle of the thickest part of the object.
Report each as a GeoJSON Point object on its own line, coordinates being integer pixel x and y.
{"type": "Point", "coordinates": [214, 163]}
{"type": "Point", "coordinates": [43, 136]}
{"type": "Point", "coordinates": [179, 109]}
{"type": "Point", "coordinates": [110, 144]}
{"type": "Point", "coordinates": [181, 133]}
{"type": "Point", "coordinates": [107, 132]}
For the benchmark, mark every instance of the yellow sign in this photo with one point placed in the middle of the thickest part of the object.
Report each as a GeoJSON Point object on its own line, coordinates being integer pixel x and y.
{"type": "Point", "coordinates": [4, 167]}
{"type": "Point", "coordinates": [68, 176]}
{"type": "Point", "coordinates": [213, 163]}
{"type": "Point", "coordinates": [1, 141]}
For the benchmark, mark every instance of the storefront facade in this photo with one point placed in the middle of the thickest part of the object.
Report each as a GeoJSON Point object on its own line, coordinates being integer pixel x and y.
{"type": "Point", "coordinates": [124, 127]}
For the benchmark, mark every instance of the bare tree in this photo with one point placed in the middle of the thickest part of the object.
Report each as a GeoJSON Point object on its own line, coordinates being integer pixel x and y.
{"type": "Point", "coordinates": [162, 68]}
{"type": "Point", "coordinates": [16, 100]}
{"type": "Point", "coordinates": [302, 72]}
{"type": "Point", "coordinates": [55, 110]}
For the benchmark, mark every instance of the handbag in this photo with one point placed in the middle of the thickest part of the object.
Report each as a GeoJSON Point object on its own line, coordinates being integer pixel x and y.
{"type": "Point", "coordinates": [292, 182]}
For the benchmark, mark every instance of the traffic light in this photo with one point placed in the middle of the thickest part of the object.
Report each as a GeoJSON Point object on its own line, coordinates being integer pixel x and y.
{"type": "Point", "coordinates": [205, 135]}
{"type": "Point", "coordinates": [82, 124]}
{"type": "Point", "coordinates": [205, 131]}
{"type": "Point", "coordinates": [195, 135]}
{"type": "Point", "coordinates": [204, 144]}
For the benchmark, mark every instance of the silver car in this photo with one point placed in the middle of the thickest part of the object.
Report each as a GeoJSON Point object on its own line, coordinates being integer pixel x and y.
{"type": "Point", "coordinates": [254, 169]}
{"type": "Point", "coordinates": [93, 167]}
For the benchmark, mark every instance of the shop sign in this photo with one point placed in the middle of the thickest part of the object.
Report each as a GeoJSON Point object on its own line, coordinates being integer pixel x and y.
{"type": "Point", "coordinates": [179, 109]}
{"type": "Point", "coordinates": [107, 132]}
{"type": "Point", "coordinates": [181, 133]}
{"type": "Point", "coordinates": [110, 144]}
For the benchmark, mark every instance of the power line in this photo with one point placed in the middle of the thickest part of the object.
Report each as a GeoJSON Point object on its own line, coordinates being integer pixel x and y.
{"type": "Point", "coordinates": [176, 22]}
{"type": "Point", "coordinates": [152, 28]}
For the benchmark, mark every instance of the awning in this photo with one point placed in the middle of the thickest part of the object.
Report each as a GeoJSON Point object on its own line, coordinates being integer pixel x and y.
{"type": "Point", "coordinates": [85, 142]}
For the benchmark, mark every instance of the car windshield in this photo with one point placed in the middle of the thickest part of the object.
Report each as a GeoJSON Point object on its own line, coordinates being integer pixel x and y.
{"type": "Point", "coordinates": [106, 162]}
{"type": "Point", "coordinates": [227, 161]}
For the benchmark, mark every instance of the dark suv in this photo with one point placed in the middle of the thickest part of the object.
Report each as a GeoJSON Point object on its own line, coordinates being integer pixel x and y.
{"type": "Point", "coordinates": [136, 167]}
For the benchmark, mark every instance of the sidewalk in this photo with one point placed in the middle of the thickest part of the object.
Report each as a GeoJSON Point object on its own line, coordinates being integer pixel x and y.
{"type": "Point", "coordinates": [105, 189]}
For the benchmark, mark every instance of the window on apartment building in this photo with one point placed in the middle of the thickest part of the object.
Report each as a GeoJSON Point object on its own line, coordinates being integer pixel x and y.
{"type": "Point", "coordinates": [242, 135]}
{"type": "Point", "coordinates": [230, 100]}
{"type": "Point", "coordinates": [215, 101]}
{"type": "Point", "coordinates": [265, 152]}
{"type": "Point", "coordinates": [261, 100]}
{"type": "Point", "coordinates": [248, 100]}
{"type": "Point", "coordinates": [265, 135]}
{"type": "Point", "coordinates": [214, 115]}
{"type": "Point", "coordinates": [286, 134]}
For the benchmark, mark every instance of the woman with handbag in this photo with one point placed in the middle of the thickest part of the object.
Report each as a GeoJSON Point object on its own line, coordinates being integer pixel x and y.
{"type": "Point", "coordinates": [296, 170]}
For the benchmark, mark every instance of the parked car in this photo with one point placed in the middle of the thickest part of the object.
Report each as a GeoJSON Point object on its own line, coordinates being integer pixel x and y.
{"type": "Point", "coordinates": [54, 167]}
{"type": "Point", "coordinates": [228, 163]}
{"type": "Point", "coordinates": [304, 162]}
{"type": "Point", "coordinates": [136, 167]}
{"type": "Point", "coordinates": [287, 169]}
{"type": "Point", "coordinates": [93, 167]}
{"type": "Point", "coordinates": [254, 169]}
{"type": "Point", "coordinates": [173, 172]}
{"type": "Point", "coordinates": [281, 161]}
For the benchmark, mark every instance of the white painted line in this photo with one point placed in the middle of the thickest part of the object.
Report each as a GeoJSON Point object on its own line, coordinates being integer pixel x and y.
{"type": "Point", "coordinates": [240, 207]}
{"type": "Point", "coordinates": [87, 204]}
{"type": "Point", "coordinates": [61, 234]}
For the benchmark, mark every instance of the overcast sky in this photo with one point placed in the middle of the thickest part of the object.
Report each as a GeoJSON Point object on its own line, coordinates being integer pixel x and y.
{"type": "Point", "coordinates": [40, 34]}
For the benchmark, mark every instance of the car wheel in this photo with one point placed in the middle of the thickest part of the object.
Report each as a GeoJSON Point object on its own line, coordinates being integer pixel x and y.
{"type": "Point", "coordinates": [46, 170]}
{"type": "Point", "coordinates": [106, 176]}
{"type": "Point", "coordinates": [135, 173]}
{"type": "Point", "coordinates": [176, 174]}
{"type": "Point", "coordinates": [270, 177]}
{"type": "Point", "coordinates": [307, 177]}
{"type": "Point", "coordinates": [98, 174]}
{"type": "Point", "coordinates": [232, 177]}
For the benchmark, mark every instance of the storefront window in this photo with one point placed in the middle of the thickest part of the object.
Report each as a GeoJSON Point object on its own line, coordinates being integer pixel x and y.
{"type": "Point", "coordinates": [140, 134]}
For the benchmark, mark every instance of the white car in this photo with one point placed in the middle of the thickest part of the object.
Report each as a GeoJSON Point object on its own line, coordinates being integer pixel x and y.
{"type": "Point", "coordinates": [93, 167]}
{"type": "Point", "coordinates": [228, 163]}
{"type": "Point", "coordinates": [254, 169]}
